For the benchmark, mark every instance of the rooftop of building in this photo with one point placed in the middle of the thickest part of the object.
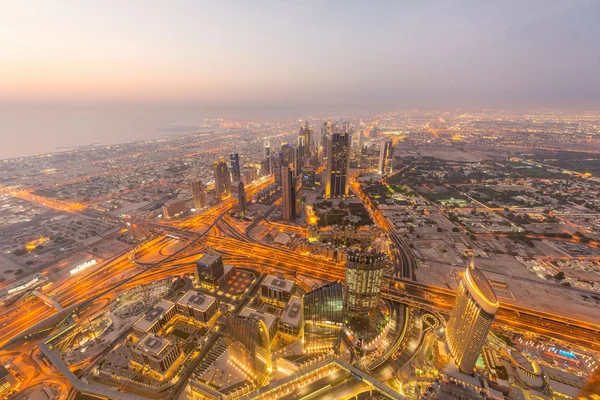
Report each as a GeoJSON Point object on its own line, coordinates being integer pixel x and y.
{"type": "Point", "coordinates": [279, 283]}
{"type": "Point", "coordinates": [292, 315]}
{"type": "Point", "coordinates": [268, 319]}
{"type": "Point", "coordinates": [282, 239]}
{"type": "Point", "coordinates": [196, 300]}
{"type": "Point", "coordinates": [525, 363]}
{"type": "Point", "coordinates": [174, 201]}
{"type": "Point", "coordinates": [153, 315]}
{"type": "Point", "coordinates": [366, 257]}
{"type": "Point", "coordinates": [483, 284]}
{"type": "Point", "coordinates": [209, 258]}
{"type": "Point", "coordinates": [481, 288]}
{"type": "Point", "coordinates": [153, 345]}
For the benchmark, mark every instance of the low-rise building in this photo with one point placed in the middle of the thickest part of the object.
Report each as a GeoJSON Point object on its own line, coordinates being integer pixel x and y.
{"type": "Point", "coordinates": [290, 322]}
{"type": "Point", "coordinates": [198, 306]}
{"type": "Point", "coordinates": [155, 319]}
{"type": "Point", "coordinates": [174, 208]}
{"type": "Point", "coordinates": [7, 381]}
{"type": "Point", "coordinates": [156, 353]}
{"type": "Point", "coordinates": [277, 290]}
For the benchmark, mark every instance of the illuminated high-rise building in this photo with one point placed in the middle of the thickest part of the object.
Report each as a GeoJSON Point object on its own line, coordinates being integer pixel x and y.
{"type": "Point", "coordinates": [222, 180]}
{"type": "Point", "coordinates": [338, 164]}
{"type": "Point", "coordinates": [346, 127]}
{"type": "Point", "coordinates": [471, 318]}
{"type": "Point", "coordinates": [198, 194]}
{"type": "Point", "coordinates": [239, 193]}
{"type": "Point", "coordinates": [361, 139]}
{"type": "Point", "coordinates": [325, 132]}
{"type": "Point", "coordinates": [362, 286]}
{"type": "Point", "coordinates": [250, 346]}
{"type": "Point", "coordinates": [305, 137]}
{"type": "Point", "coordinates": [309, 178]}
{"type": "Point", "coordinates": [289, 156]}
{"type": "Point", "coordinates": [268, 169]}
{"type": "Point", "coordinates": [288, 193]}
{"type": "Point", "coordinates": [385, 157]}
{"type": "Point", "coordinates": [234, 159]}
{"type": "Point", "coordinates": [323, 318]}
{"type": "Point", "coordinates": [276, 163]}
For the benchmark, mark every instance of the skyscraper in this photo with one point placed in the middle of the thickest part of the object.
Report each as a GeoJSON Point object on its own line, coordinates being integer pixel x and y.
{"type": "Point", "coordinates": [338, 164]}
{"type": "Point", "coordinates": [323, 318]}
{"type": "Point", "coordinates": [222, 180]}
{"type": "Point", "coordinates": [276, 163]}
{"type": "Point", "coordinates": [325, 132]}
{"type": "Point", "coordinates": [289, 156]}
{"type": "Point", "coordinates": [305, 137]}
{"type": "Point", "coordinates": [288, 193]}
{"type": "Point", "coordinates": [385, 157]}
{"type": "Point", "coordinates": [346, 127]}
{"type": "Point", "coordinates": [362, 286]}
{"type": "Point", "coordinates": [269, 166]}
{"type": "Point", "coordinates": [198, 194]}
{"type": "Point", "coordinates": [361, 139]}
{"type": "Point", "coordinates": [250, 346]}
{"type": "Point", "coordinates": [240, 194]}
{"type": "Point", "coordinates": [234, 158]}
{"type": "Point", "coordinates": [471, 318]}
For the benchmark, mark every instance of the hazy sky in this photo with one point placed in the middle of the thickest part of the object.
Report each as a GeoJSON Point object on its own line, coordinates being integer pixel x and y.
{"type": "Point", "coordinates": [75, 72]}
{"type": "Point", "coordinates": [454, 53]}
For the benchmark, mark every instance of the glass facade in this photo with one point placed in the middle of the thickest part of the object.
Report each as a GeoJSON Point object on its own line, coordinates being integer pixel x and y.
{"type": "Point", "coordinates": [362, 287]}
{"type": "Point", "coordinates": [470, 318]}
{"type": "Point", "coordinates": [250, 346]}
{"type": "Point", "coordinates": [323, 318]}
{"type": "Point", "coordinates": [338, 163]}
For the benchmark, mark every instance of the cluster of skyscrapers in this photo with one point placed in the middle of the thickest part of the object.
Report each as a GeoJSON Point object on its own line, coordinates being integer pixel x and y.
{"type": "Point", "coordinates": [295, 166]}
{"type": "Point", "coordinates": [328, 308]}
{"type": "Point", "coordinates": [228, 183]}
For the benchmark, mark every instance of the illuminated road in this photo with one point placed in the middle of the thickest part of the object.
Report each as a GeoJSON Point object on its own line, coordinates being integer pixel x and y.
{"type": "Point", "coordinates": [403, 258]}
{"type": "Point", "coordinates": [569, 329]}
{"type": "Point", "coordinates": [213, 229]}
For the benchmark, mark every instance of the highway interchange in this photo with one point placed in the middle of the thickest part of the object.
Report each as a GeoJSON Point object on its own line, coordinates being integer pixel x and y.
{"type": "Point", "coordinates": [215, 230]}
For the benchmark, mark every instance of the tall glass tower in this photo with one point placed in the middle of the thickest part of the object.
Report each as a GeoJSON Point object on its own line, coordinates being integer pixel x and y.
{"type": "Point", "coordinates": [338, 164]}
{"type": "Point", "coordinates": [471, 318]}
{"type": "Point", "coordinates": [222, 180]}
{"type": "Point", "coordinates": [362, 287]}
{"type": "Point", "coordinates": [234, 158]}
{"type": "Point", "coordinates": [198, 194]}
{"type": "Point", "coordinates": [385, 157]}
{"type": "Point", "coordinates": [323, 318]}
{"type": "Point", "coordinates": [250, 346]}
{"type": "Point", "coordinates": [288, 193]}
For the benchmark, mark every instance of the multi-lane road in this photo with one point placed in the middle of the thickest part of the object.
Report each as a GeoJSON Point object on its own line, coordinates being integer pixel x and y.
{"type": "Point", "coordinates": [214, 230]}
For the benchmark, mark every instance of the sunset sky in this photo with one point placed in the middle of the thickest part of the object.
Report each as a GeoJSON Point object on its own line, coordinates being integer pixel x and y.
{"type": "Point", "coordinates": [421, 53]}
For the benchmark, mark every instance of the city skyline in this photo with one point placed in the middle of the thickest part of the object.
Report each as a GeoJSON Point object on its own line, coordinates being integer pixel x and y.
{"type": "Point", "coordinates": [227, 266]}
{"type": "Point", "coordinates": [321, 199]}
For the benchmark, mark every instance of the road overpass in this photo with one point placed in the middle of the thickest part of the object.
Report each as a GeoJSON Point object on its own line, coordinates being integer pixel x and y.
{"type": "Point", "coordinates": [569, 329]}
{"type": "Point", "coordinates": [91, 390]}
{"type": "Point", "coordinates": [48, 300]}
